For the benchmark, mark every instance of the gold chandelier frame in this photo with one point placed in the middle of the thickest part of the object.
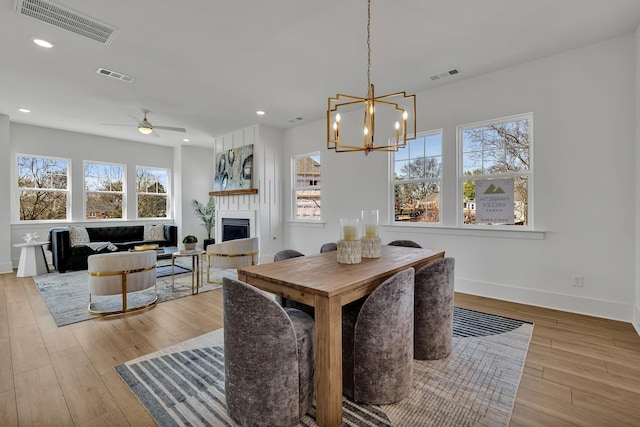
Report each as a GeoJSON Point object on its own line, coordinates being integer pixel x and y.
{"type": "Point", "coordinates": [403, 104]}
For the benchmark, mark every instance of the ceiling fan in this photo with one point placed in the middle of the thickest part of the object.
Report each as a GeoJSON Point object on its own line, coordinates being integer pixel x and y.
{"type": "Point", "coordinates": [145, 127]}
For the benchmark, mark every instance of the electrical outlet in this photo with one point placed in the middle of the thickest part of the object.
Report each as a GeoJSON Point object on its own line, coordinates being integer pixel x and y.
{"type": "Point", "coordinates": [577, 280]}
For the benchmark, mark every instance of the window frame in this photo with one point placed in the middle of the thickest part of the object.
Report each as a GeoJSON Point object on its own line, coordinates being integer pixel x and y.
{"type": "Point", "coordinates": [18, 189]}
{"type": "Point", "coordinates": [295, 188]}
{"type": "Point", "coordinates": [123, 192]}
{"type": "Point", "coordinates": [167, 193]}
{"type": "Point", "coordinates": [461, 178]}
{"type": "Point", "coordinates": [439, 180]}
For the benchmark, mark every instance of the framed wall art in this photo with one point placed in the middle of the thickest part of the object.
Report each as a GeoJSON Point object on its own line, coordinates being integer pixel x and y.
{"type": "Point", "coordinates": [234, 169]}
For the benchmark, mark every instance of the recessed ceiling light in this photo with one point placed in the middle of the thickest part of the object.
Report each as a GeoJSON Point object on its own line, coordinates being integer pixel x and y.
{"type": "Point", "coordinates": [186, 140]}
{"type": "Point", "coordinates": [260, 113]}
{"type": "Point", "coordinates": [43, 43]}
{"type": "Point", "coordinates": [24, 110]}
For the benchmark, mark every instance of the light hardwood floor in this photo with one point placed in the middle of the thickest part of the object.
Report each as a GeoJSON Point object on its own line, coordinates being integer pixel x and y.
{"type": "Point", "coordinates": [580, 370]}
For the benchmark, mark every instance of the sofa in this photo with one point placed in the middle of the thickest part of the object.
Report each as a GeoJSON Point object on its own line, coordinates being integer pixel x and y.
{"type": "Point", "coordinates": [68, 256]}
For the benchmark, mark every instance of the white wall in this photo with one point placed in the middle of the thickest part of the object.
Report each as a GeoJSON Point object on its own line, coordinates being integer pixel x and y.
{"type": "Point", "coordinates": [584, 160]}
{"type": "Point", "coordinates": [196, 171]}
{"type": "Point", "coordinates": [267, 178]}
{"type": "Point", "coordinates": [636, 314]}
{"type": "Point", "coordinates": [78, 147]}
{"type": "Point", "coordinates": [5, 194]}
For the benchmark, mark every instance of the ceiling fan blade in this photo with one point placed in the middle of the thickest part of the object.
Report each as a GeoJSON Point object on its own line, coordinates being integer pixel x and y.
{"type": "Point", "coordinates": [114, 124]}
{"type": "Point", "coordinates": [170, 128]}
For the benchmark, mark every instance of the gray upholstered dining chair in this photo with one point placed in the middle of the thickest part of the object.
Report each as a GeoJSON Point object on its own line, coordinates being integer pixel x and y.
{"type": "Point", "coordinates": [285, 302]}
{"type": "Point", "coordinates": [328, 247]}
{"type": "Point", "coordinates": [286, 254]}
{"type": "Point", "coordinates": [406, 243]}
{"type": "Point", "coordinates": [377, 342]}
{"type": "Point", "coordinates": [268, 358]}
{"type": "Point", "coordinates": [433, 310]}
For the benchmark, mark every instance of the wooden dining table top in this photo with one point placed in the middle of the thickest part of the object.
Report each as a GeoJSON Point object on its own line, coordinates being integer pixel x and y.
{"type": "Point", "coordinates": [321, 274]}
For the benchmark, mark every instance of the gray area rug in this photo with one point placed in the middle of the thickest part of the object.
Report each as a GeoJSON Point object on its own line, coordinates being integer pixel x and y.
{"type": "Point", "coordinates": [67, 294]}
{"type": "Point", "coordinates": [475, 386]}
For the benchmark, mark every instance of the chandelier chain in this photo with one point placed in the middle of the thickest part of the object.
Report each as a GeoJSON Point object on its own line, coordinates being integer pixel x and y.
{"type": "Point", "coordinates": [368, 44]}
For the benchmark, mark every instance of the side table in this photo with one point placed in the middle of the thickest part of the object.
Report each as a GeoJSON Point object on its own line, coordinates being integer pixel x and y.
{"type": "Point", "coordinates": [32, 261]}
{"type": "Point", "coordinates": [195, 255]}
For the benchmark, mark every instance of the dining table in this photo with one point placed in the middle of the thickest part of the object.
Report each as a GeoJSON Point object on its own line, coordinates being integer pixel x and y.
{"type": "Point", "coordinates": [320, 281]}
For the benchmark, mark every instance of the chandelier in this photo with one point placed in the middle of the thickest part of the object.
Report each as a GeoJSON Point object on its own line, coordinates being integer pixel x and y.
{"type": "Point", "coordinates": [395, 114]}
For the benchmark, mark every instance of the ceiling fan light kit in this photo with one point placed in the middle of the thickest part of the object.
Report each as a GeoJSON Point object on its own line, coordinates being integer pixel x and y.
{"type": "Point", "coordinates": [146, 128]}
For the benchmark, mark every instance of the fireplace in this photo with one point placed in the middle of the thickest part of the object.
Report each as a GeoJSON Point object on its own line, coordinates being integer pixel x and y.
{"type": "Point", "coordinates": [235, 228]}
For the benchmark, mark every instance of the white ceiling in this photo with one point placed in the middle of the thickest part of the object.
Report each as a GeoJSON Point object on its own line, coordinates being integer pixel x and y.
{"type": "Point", "coordinates": [208, 65]}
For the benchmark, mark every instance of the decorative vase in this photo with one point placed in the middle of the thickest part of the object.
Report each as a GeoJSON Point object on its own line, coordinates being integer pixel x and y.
{"type": "Point", "coordinates": [371, 244]}
{"type": "Point", "coordinates": [189, 246]}
{"type": "Point", "coordinates": [349, 249]}
{"type": "Point", "coordinates": [207, 242]}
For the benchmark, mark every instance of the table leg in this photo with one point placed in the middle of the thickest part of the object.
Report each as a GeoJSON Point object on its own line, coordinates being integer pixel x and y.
{"type": "Point", "coordinates": [328, 375]}
{"type": "Point", "coordinates": [173, 276]}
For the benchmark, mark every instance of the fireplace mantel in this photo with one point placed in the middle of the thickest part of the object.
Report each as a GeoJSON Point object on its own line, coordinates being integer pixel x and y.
{"type": "Point", "coordinates": [233, 192]}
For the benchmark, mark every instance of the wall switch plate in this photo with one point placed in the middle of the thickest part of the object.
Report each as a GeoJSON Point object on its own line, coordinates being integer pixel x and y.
{"type": "Point", "coordinates": [577, 280]}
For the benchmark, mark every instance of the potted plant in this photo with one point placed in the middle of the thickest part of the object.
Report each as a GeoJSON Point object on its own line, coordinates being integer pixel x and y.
{"type": "Point", "coordinates": [206, 214]}
{"type": "Point", "coordinates": [190, 242]}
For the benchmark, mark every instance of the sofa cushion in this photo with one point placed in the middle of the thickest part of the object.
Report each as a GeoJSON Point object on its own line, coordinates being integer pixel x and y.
{"type": "Point", "coordinates": [78, 235]}
{"type": "Point", "coordinates": [153, 232]}
{"type": "Point", "coordinates": [116, 234]}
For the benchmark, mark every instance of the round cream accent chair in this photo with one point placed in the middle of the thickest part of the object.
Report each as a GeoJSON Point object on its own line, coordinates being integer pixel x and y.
{"type": "Point", "coordinates": [122, 273]}
{"type": "Point", "coordinates": [232, 254]}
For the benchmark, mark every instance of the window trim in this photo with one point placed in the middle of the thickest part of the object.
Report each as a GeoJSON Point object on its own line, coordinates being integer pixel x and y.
{"type": "Point", "coordinates": [460, 178]}
{"type": "Point", "coordinates": [16, 190]}
{"type": "Point", "coordinates": [85, 191]}
{"type": "Point", "coordinates": [167, 193]}
{"type": "Point", "coordinates": [439, 180]}
{"type": "Point", "coordinates": [295, 188]}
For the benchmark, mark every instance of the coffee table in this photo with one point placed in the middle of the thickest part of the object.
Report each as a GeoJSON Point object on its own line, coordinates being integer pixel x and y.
{"type": "Point", "coordinates": [196, 256]}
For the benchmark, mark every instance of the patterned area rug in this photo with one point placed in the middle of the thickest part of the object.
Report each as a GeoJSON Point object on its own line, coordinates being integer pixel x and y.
{"type": "Point", "coordinates": [67, 295]}
{"type": "Point", "coordinates": [475, 385]}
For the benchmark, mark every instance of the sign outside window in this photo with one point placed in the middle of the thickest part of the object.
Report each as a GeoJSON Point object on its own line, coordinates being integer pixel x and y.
{"type": "Point", "coordinates": [494, 201]}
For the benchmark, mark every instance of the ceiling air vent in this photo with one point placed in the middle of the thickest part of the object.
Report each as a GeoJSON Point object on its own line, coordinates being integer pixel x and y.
{"type": "Point", "coordinates": [67, 19]}
{"type": "Point", "coordinates": [115, 75]}
{"type": "Point", "coordinates": [445, 75]}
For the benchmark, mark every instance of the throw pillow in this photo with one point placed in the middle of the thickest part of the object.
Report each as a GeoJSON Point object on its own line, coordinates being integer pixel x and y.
{"type": "Point", "coordinates": [153, 232]}
{"type": "Point", "coordinates": [78, 235]}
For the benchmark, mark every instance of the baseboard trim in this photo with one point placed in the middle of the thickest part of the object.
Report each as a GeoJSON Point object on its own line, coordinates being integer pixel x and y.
{"type": "Point", "coordinates": [571, 303]}
{"type": "Point", "coordinates": [6, 267]}
{"type": "Point", "coordinates": [636, 318]}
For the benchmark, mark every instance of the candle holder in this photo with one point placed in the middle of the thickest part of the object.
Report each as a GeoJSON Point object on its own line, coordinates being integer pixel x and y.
{"type": "Point", "coordinates": [349, 249]}
{"type": "Point", "coordinates": [371, 244]}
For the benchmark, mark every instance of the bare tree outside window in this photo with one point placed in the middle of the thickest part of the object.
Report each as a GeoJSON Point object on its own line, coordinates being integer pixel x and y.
{"type": "Point", "coordinates": [104, 190]}
{"type": "Point", "coordinates": [43, 190]}
{"type": "Point", "coordinates": [417, 179]}
{"type": "Point", "coordinates": [500, 149]}
{"type": "Point", "coordinates": [152, 192]}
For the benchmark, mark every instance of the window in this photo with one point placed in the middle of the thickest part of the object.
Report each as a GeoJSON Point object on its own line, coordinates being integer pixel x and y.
{"type": "Point", "coordinates": [43, 188]}
{"type": "Point", "coordinates": [417, 179]}
{"type": "Point", "coordinates": [496, 171]}
{"type": "Point", "coordinates": [152, 188]}
{"type": "Point", "coordinates": [306, 172]}
{"type": "Point", "coordinates": [103, 190]}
